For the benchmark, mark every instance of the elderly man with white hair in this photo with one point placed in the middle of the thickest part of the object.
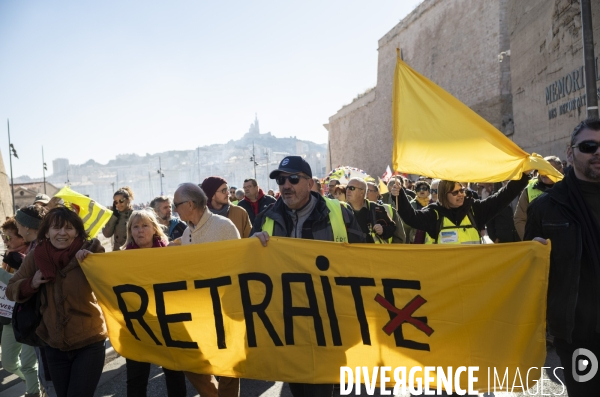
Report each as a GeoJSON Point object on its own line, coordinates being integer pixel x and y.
{"type": "Point", "coordinates": [372, 217]}
{"type": "Point", "coordinates": [190, 202]}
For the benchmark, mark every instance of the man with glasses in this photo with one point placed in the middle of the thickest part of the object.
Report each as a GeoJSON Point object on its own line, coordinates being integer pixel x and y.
{"type": "Point", "coordinates": [301, 213]}
{"type": "Point", "coordinates": [373, 195]}
{"type": "Point", "coordinates": [569, 215]}
{"type": "Point", "coordinates": [371, 217]}
{"type": "Point", "coordinates": [535, 188]}
{"type": "Point", "coordinates": [332, 184]}
{"type": "Point", "coordinates": [218, 196]}
{"type": "Point", "coordinates": [190, 202]}
{"type": "Point", "coordinates": [255, 200]}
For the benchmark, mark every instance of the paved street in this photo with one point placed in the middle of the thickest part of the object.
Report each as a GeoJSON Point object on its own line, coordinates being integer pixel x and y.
{"type": "Point", "coordinates": [112, 383]}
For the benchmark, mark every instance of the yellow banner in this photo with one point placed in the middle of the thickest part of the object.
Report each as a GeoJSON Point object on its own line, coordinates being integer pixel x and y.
{"type": "Point", "coordinates": [298, 310]}
{"type": "Point", "coordinates": [438, 136]}
{"type": "Point", "coordinates": [94, 215]}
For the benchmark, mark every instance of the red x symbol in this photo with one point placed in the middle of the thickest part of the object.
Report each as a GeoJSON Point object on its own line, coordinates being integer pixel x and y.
{"type": "Point", "coordinates": [404, 315]}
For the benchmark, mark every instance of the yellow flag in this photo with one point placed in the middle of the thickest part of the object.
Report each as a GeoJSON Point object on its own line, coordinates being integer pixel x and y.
{"type": "Point", "coordinates": [94, 215]}
{"type": "Point", "coordinates": [299, 310]}
{"type": "Point", "coordinates": [383, 189]}
{"type": "Point", "coordinates": [437, 135]}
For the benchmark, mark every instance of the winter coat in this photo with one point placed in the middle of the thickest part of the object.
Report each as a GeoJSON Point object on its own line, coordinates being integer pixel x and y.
{"type": "Point", "coordinates": [71, 316]}
{"type": "Point", "coordinates": [117, 226]}
{"type": "Point", "coordinates": [573, 311]}
{"type": "Point", "coordinates": [320, 227]}
{"type": "Point", "coordinates": [427, 219]}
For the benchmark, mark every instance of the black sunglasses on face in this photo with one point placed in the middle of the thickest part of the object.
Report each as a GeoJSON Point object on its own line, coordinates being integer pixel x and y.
{"type": "Point", "coordinates": [456, 192]}
{"type": "Point", "coordinates": [434, 191]}
{"type": "Point", "coordinates": [121, 201]}
{"type": "Point", "coordinates": [423, 189]}
{"type": "Point", "coordinates": [294, 179]}
{"type": "Point", "coordinates": [588, 147]}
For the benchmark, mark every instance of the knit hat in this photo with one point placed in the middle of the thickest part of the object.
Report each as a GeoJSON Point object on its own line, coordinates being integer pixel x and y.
{"type": "Point", "coordinates": [27, 220]}
{"type": "Point", "coordinates": [211, 184]}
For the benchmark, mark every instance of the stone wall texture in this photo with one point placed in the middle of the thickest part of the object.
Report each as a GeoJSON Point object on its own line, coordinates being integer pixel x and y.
{"type": "Point", "coordinates": [546, 46]}
{"type": "Point", "coordinates": [455, 43]}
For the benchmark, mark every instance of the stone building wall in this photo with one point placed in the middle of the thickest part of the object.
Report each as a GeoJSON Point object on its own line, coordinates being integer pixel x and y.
{"type": "Point", "coordinates": [456, 44]}
{"type": "Point", "coordinates": [546, 58]}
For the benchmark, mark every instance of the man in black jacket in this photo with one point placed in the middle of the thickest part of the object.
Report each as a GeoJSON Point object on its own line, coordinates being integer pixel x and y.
{"type": "Point", "coordinates": [255, 200]}
{"type": "Point", "coordinates": [569, 215]}
{"type": "Point", "coordinates": [300, 213]}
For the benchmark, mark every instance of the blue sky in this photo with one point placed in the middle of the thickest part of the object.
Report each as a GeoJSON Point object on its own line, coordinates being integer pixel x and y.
{"type": "Point", "coordinates": [93, 79]}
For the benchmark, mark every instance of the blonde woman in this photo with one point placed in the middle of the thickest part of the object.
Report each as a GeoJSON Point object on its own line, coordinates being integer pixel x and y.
{"type": "Point", "coordinates": [144, 231]}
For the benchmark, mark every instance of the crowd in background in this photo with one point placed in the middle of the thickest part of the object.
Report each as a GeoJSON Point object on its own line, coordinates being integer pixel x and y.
{"type": "Point", "coordinates": [45, 243]}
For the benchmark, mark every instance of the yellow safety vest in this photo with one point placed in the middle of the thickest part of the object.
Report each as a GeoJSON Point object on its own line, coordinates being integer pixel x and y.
{"type": "Point", "coordinates": [449, 233]}
{"type": "Point", "coordinates": [533, 193]}
{"type": "Point", "coordinates": [336, 218]}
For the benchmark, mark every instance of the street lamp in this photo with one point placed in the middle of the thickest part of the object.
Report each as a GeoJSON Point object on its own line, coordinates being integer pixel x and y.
{"type": "Point", "coordinates": [45, 168]}
{"type": "Point", "coordinates": [253, 159]}
{"type": "Point", "coordinates": [11, 152]}
{"type": "Point", "coordinates": [160, 173]}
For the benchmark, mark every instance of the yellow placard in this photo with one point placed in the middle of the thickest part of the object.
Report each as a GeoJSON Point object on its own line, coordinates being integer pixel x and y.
{"type": "Point", "coordinates": [298, 310]}
{"type": "Point", "coordinates": [94, 215]}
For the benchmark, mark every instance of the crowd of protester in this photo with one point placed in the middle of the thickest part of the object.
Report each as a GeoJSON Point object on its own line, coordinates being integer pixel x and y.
{"type": "Point", "coordinates": [45, 243]}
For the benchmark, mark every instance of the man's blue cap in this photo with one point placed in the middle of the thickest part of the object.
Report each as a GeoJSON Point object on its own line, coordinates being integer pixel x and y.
{"type": "Point", "coordinates": [292, 165]}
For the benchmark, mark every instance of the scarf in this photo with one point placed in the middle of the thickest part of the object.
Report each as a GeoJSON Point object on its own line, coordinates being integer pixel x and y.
{"type": "Point", "coordinates": [590, 231]}
{"type": "Point", "coordinates": [49, 259]}
{"type": "Point", "coordinates": [224, 211]}
{"type": "Point", "coordinates": [254, 204]}
{"type": "Point", "coordinates": [423, 201]}
{"type": "Point", "coordinates": [157, 242]}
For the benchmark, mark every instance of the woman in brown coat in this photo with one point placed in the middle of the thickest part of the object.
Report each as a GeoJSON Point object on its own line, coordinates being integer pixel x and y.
{"type": "Point", "coordinates": [72, 323]}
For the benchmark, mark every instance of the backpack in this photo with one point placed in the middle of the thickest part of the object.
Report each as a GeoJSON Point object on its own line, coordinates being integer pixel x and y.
{"type": "Point", "coordinates": [27, 317]}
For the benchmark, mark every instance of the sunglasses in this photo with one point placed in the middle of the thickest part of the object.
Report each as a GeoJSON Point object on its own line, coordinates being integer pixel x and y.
{"type": "Point", "coordinates": [294, 179]}
{"type": "Point", "coordinates": [587, 146]}
{"type": "Point", "coordinates": [6, 237]}
{"type": "Point", "coordinates": [456, 192]}
{"type": "Point", "coordinates": [434, 191]}
{"type": "Point", "coordinates": [120, 201]}
{"type": "Point", "coordinates": [353, 188]}
{"type": "Point", "coordinates": [423, 189]}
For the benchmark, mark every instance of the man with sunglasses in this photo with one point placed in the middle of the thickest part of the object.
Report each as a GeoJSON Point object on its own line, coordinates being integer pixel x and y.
{"type": "Point", "coordinates": [569, 215]}
{"type": "Point", "coordinates": [422, 200]}
{"type": "Point", "coordinates": [302, 213]}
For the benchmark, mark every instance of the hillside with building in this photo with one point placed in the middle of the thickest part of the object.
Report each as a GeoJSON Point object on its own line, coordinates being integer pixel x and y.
{"type": "Point", "coordinates": [231, 160]}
